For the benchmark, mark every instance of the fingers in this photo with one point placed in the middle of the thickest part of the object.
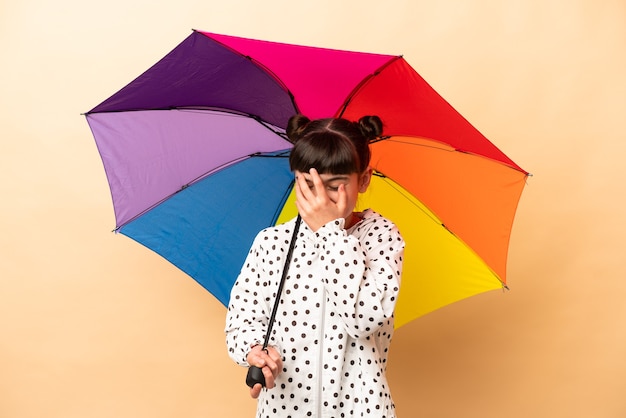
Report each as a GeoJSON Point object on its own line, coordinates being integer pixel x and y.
{"type": "Point", "coordinates": [273, 368]}
{"type": "Point", "coordinates": [316, 192]}
{"type": "Point", "coordinates": [305, 199]}
{"type": "Point", "coordinates": [300, 199]}
{"type": "Point", "coordinates": [318, 184]}
{"type": "Point", "coordinates": [255, 356]}
{"type": "Point", "coordinates": [268, 373]}
{"type": "Point", "coordinates": [271, 364]}
{"type": "Point", "coordinates": [256, 391]}
{"type": "Point", "coordinates": [342, 198]}
{"type": "Point", "coordinates": [273, 361]}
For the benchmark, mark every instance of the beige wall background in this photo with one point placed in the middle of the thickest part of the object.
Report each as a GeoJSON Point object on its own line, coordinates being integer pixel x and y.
{"type": "Point", "coordinates": [93, 325]}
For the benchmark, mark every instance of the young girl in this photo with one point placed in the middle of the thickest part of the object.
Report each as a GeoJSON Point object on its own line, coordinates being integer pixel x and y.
{"type": "Point", "coordinates": [328, 348]}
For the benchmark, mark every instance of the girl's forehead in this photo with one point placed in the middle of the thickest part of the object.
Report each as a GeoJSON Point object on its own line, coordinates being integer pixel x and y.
{"type": "Point", "coordinates": [327, 176]}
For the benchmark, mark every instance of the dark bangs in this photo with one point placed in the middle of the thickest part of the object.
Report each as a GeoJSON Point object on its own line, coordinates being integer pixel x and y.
{"type": "Point", "coordinates": [327, 152]}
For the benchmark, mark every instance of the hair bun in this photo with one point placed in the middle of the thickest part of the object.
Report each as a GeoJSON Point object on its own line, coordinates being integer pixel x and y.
{"type": "Point", "coordinates": [295, 127]}
{"type": "Point", "coordinates": [371, 127]}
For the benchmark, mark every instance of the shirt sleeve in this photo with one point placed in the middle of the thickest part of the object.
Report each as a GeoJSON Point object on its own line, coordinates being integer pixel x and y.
{"type": "Point", "coordinates": [248, 308]}
{"type": "Point", "coordinates": [362, 275]}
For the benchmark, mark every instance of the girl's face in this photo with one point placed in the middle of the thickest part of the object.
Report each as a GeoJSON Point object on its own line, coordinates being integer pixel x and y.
{"type": "Point", "coordinates": [353, 183]}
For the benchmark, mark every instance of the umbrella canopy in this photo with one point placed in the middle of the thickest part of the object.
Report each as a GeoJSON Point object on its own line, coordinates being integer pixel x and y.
{"type": "Point", "coordinates": [197, 161]}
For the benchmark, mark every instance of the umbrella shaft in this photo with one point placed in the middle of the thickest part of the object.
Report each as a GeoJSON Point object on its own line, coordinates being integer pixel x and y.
{"type": "Point", "coordinates": [292, 244]}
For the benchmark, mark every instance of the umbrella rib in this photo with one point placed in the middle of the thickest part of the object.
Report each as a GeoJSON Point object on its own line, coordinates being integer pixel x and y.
{"type": "Point", "coordinates": [364, 81]}
{"type": "Point", "coordinates": [274, 129]}
{"type": "Point", "coordinates": [442, 147]}
{"type": "Point", "coordinates": [407, 196]}
{"type": "Point", "coordinates": [277, 79]}
{"type": "Point", "coordinates": [432, 216]}
{"type": "Point", "coordinates": [261, 66]}
{"type": "Point", "coordinates": [270, 127]}
{"type": "Point", "coordinates": [195, 180]}
{"type": "Point", "coordinates": [283, 200]}
{"type": "Point", "coordinates": [392, 138]}
{"type": "Point", "coordinates": [190, 108]}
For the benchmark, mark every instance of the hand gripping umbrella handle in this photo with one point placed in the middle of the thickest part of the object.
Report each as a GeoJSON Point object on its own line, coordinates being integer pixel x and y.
{"type": "Point", "coordinates": [255, 374]}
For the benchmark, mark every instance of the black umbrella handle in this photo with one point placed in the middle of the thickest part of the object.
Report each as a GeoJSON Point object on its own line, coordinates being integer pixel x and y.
{"type": "Point", "coordinates": [255, 374]}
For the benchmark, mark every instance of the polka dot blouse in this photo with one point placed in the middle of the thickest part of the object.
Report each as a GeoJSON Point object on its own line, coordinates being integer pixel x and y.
{"type": "Point", "coordinates": [335, 319]}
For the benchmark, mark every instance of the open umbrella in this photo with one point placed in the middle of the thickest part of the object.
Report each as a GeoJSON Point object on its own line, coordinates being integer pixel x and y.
{"type": "Point", "coordinates": [196, 158]}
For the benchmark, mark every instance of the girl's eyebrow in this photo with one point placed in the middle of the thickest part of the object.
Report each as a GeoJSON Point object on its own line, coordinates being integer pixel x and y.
{"type": "Point", "coordinates": [337, 177]}
{"type": "Point", "coordinates": [330, 179]}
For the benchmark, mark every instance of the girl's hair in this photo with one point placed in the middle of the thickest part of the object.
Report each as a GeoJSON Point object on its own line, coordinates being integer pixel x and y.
{"type": "Point", "coordinates": [332, 145]}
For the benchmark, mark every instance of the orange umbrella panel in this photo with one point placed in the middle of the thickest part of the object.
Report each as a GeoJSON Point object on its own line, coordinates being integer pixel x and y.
{"type": "Point", "coordinates": [473, 196]}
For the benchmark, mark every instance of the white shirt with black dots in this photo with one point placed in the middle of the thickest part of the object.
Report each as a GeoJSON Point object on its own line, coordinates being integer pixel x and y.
{"type": "Point", "coordinates": [335, 320]}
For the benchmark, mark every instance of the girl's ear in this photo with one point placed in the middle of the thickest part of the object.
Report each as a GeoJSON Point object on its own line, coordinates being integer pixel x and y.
{"type": "Point", "coordinates": [364, 180]}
